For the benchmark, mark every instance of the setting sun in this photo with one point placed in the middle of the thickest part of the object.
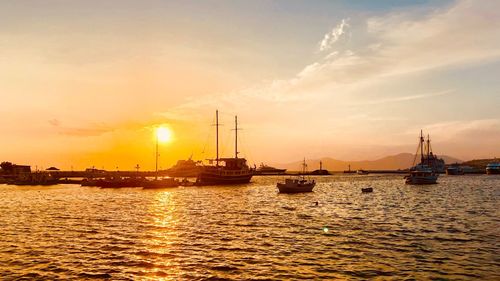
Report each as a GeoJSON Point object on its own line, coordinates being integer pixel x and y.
{"type": "Point", "coordinates": [164, 134]}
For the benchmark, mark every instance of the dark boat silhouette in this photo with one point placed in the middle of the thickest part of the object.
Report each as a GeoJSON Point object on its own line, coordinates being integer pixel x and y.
{"type": "Point", "coordinates": [423, 173]}
{"type": "Point", "coordinates": [185, 168]}
{"type": "Point", "coordinates": [35, 178]}
{"type": "Point", "coordinates": [226, 171]}
{"type": "Point", "coordinates": [160, 183]}
{"type": "Point", "coordinates": [297, 185]}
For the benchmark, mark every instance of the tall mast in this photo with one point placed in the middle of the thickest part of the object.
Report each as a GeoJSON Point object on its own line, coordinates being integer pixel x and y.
{"type": "Point", "coordinates": [304, 168]}
{"type": "Point", "coordinates": [428, 147]}
{"type": "Point", "coordinates": [421, 147]}
{"type": "Point", "coordinates": [217, 135]}
{"type": "Point", "coordinates": [236, 136]}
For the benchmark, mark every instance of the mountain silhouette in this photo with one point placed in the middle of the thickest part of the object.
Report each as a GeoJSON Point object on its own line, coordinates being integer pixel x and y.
{"type": "Point", "coordinates": [393, 162]}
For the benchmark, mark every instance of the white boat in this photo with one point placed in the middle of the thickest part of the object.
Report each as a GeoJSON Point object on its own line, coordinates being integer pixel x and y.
{"type": "Point", "coordinates": [422, 173]}
{"type": "Point", "coordinates": [493, 169]}
{"type": "Point", "coordinates": [362, 172]}
{"type": "Point", "coordinates": [298, 185]}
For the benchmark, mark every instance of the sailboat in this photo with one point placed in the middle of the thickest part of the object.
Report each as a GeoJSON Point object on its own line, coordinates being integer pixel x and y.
{"type": "Point", "coordinates": [297, 185]}
{"type": "Point", "coordinates": [422, 173]}
{"type": "Point", "coordinates": [226, 171]}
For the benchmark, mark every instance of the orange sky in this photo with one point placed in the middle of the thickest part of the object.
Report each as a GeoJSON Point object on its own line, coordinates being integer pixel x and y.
{"type": "Point", "coordinates": [84, 83]}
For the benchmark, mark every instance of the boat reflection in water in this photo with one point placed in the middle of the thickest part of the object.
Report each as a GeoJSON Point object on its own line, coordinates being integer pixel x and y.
{"type": "Point", "coordinates": [226, 171]}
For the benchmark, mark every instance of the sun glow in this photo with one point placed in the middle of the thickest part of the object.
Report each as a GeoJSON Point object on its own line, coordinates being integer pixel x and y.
{"type": "Point", "coordinates": [164, 134]}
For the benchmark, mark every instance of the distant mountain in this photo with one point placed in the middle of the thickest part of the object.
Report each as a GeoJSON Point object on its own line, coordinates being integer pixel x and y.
{"type": "Point", "coordinates": [394, 162]}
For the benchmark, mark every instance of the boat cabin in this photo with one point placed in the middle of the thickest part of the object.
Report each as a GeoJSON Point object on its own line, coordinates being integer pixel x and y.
{"type": "Point", "coordinates": [233, 163]}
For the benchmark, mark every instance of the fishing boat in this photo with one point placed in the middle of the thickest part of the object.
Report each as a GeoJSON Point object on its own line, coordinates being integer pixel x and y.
{"type": "Point", "coordinates": [362, 172]}
{"type": "Point", "coordinates": [225, 171]}
{"type": "Point", "coordinates": [268, 170]}
{"type": "Point", "coordinates": [422, 173]}
{"type": "Point", "coordinates": [297, 185]}
{"type": "Point", "coordinates": [493, 169]}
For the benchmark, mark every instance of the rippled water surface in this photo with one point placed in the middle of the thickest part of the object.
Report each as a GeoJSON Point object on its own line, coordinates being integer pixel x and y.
{"type": "Point", "coordinates": [449, 230]}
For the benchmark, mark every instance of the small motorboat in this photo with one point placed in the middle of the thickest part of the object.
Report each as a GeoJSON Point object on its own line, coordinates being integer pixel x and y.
{"type": "Point", "coordinates": [362, 172]}
{"type": "Point", "coordinates": [367, 189]}
{"type": "Point", "coordinates": [298, 185]}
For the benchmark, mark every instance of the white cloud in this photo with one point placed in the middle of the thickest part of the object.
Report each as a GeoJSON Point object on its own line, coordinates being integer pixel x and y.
{"type": "Point", "coordinates": [398, 47]}
{"type": "Point", "coordinates": [335, 35]}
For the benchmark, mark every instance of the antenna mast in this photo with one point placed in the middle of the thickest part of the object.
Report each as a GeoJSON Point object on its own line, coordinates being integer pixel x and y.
{"type": "Point", "coordinates": [421, 148]}
{"type": "Point", "coordinates": [217, 135]}
{"type": "Point", "coordinates": [236, 136]}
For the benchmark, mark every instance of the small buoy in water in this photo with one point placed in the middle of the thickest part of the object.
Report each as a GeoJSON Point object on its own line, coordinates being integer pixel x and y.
{"type": "Point", "coordinates": [316, 203]}
{"type": "Point", "coordinates": [325, 229]}
{"type": "Point", "coordinates": [367, 189]}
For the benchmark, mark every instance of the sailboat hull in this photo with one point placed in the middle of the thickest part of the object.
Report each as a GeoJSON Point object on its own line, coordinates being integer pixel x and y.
{"type": "Point", "coordinates": [295, 188]}
{"type": "Point", "coordinates": [207, 178]}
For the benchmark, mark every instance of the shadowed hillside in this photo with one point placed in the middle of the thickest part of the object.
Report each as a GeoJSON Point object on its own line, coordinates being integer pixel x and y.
{"type": "Point", "coordinates": [480, 163]}
{"type": "Point", "coordinates": [394, 162]}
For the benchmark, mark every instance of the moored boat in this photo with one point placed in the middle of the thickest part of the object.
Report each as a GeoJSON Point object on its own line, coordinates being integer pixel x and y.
{"type": "Point", "coordinates": [226, 171]}
{"type": "Point", "coordinates": [362, 172]}
{"type": "Point", "coordinates": [454, 170]}
{"type": "Point", "coordinates": [119, 182]}
{"type": "Point", "coordinates": [160, 183]}
{"type": "Point", "coordinates": [422, 173]}
{"type": "Point", "coordinates": [268, 170]}
{"type": "Point", "coordinates": [493, 169]}
{"type": "Point", "coordinates": [35, 178]}
{"type": "Point", "coordinates": [185, 168]}
{"type": "Point", "coordinates": [298, 185]}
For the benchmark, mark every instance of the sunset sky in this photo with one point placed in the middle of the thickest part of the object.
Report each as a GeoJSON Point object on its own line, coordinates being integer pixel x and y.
{"type": "Point", "coordinates": [84, 83]}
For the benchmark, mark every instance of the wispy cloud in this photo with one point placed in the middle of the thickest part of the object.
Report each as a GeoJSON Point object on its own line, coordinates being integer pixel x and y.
{"type": "Point", "coordinates": [335, 35]}
{"type": "Point", "coordinates": [90, 130]}
{"type": "Point", "coordinates": [408, 98]}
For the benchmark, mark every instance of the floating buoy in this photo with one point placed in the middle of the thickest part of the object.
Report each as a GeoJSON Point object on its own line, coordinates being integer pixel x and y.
{"type": "Point", "coordinates": [367, 189]}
